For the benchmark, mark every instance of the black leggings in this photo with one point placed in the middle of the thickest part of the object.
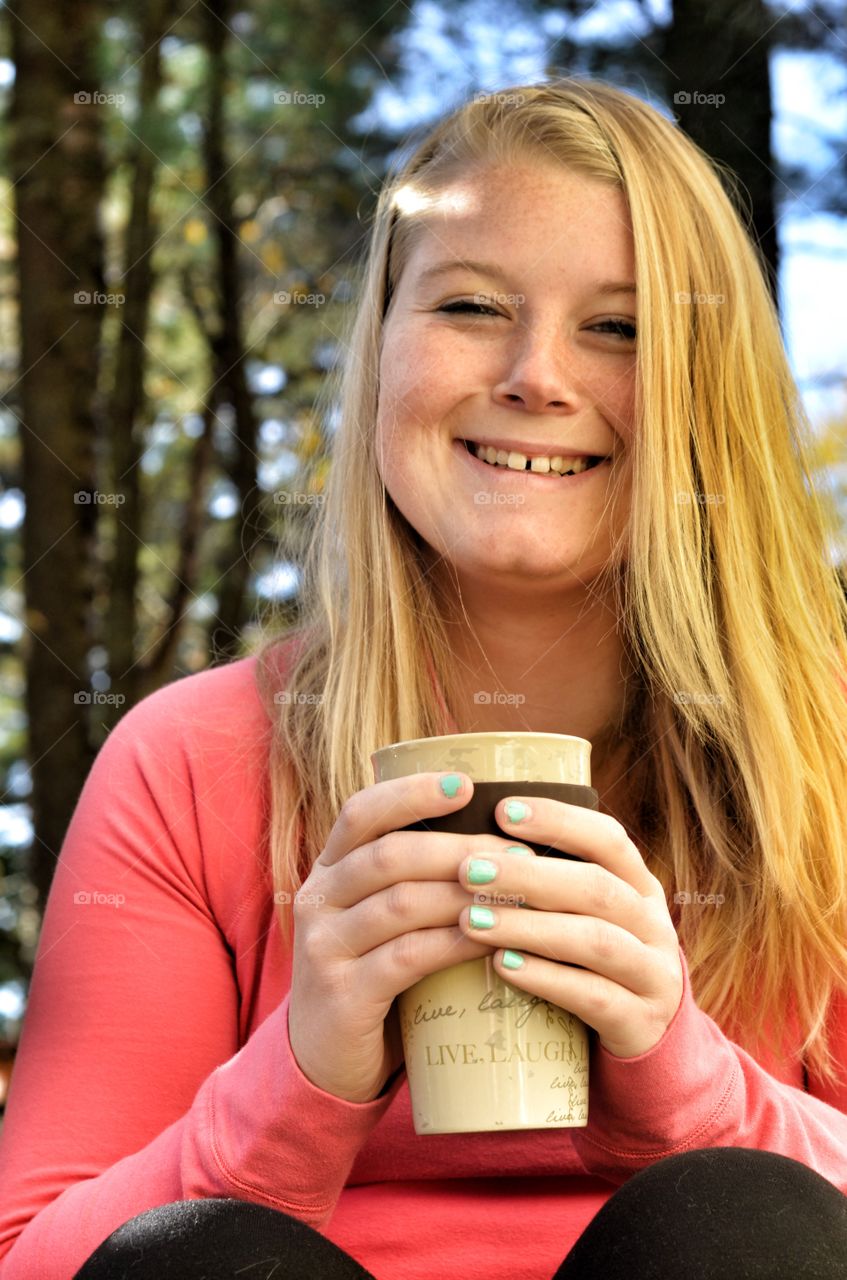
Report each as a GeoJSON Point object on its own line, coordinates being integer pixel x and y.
{"type": "Point", "coordinates": [718, 1213]}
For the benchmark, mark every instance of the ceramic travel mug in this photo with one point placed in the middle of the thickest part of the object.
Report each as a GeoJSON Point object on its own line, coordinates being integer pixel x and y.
{"type": "Point", "coordinates": [480, 1053]}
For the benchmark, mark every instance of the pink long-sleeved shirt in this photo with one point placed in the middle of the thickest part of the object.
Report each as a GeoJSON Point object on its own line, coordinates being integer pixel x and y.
{"type": "Point", "coordinates": [155, 1065]}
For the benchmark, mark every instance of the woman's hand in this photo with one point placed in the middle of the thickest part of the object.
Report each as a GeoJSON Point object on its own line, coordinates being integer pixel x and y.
{"type": "Point", "coordinates": [607, 914]}
{"type": "Point", "coordinates": [378, 912]}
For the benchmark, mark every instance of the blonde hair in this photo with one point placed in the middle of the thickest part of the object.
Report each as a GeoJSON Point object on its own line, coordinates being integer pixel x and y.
{"type": "Point", "coordinates": [728, 603]}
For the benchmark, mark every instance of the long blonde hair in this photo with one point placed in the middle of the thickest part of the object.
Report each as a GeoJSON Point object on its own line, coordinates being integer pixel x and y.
{"type": "Point", "coordinates": [728, 603]}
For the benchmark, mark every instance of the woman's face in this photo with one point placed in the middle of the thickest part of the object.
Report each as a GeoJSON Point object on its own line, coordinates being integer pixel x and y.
{"type": "Point", "coordinates": [545, 368]}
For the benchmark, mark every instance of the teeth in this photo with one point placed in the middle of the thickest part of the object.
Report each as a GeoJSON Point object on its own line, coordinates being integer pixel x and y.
{"type": "Point", "coordinates": [518, 461]}
{"type": "Point", "coordinates": [575, 466]}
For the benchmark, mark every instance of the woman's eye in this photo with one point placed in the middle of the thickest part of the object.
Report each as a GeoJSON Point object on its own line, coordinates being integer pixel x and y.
{"type": "Point", "coordinates": [458, 308]}
{"type": "Point", "coordinates": [623, 329]}
{"type": "Point", "coordinates": [617, 327]}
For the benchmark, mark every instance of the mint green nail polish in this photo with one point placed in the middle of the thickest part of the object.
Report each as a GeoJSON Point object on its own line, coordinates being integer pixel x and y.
{"type": "Point", "coordinates": [482, 918]}
{"type": "Point", "coordinates": [451, 785]}
{"type": "Point", "coordinates": [516, 848]}
{"type": "Point", "coordinates": [481, 871]}
{"type": "Point", "coordinates": [512, 960]}
{"type": "Point", "coordinates": [516, 811]}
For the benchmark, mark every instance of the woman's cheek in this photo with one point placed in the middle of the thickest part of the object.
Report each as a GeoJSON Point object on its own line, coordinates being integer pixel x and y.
{"type": "Point", "coordinates": [616, 403]}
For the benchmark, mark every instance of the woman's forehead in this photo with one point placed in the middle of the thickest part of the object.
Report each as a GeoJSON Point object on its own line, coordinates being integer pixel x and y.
{"type": "Point", "coordinates": [473, 194]}
{"type": "Point", "coordinates": [562, 221]}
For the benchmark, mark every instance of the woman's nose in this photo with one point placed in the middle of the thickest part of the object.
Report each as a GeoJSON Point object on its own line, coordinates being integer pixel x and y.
{"type": "Point", "coordinates": [539, 372]}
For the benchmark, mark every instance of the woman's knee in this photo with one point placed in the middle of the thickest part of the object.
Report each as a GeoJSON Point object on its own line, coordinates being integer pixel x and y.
{"type": "Point", "coordinates": [704, 1211]}
{"type": "Point", "coordinates": [726, 1176]}
{"type": "Point", "coordinates": [213, 1238]}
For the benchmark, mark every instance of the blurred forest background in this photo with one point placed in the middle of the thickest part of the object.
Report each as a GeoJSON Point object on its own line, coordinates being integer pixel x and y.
{"type": "Point", "coordinates": [185, 192]}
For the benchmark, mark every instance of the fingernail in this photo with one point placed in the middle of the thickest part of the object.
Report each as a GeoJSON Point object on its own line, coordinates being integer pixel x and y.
{"type": "Point", "coordinates": [481, 918]}
{"type": "Point", "coordinates": [516, 811]}
{"type": "Point", "coordinates": [481, 871]}
{"type": "Point", "coordinates": [517, 848]}
{"type": "Point", "coordinates": [451, 784]}
{"type": "Point", "coordinates": [512, 960]}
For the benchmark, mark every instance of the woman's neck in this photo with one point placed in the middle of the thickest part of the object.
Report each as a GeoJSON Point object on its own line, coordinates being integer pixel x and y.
{"type": "Point", "coordinates": [546, 667]}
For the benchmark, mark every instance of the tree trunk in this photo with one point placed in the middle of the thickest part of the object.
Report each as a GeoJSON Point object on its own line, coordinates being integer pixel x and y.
{"type": "Point", "coordinates": [124, 425]}
{"type": "Point", "coordinates": [722, 48]}
{"type": "Point", "coordinates": [57, 166]}
{"type": "Point", "coordinates": [159, 666]}
{"type": "Point", "coordinates": [228, 355]}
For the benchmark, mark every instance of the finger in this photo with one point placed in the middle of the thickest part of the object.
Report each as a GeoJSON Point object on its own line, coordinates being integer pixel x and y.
{"type": "Point", "coordinates": [398, 964]}
{"type": "Point", "coordinates": [405, 907]}
{"type": "Point", "coordinates": [583, 832]}
{"type": "Point", "coordinates": [554, 885]}
{"type": "Point", "coordinates": [609, 1008]}
{"type": "Point", "coordinates": [406, 855]}
{"type": "Point", "coordinates": [582, 941]}
{"type": "Point", "coordinates": [386, 806]}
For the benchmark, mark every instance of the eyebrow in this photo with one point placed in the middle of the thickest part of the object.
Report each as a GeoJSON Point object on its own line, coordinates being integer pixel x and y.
{"type": "Point", "coordinates": [494, 272]}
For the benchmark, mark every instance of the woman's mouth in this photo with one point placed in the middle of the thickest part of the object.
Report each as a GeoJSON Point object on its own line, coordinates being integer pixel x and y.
{"type": "Point", "coordinates": [554, 467]}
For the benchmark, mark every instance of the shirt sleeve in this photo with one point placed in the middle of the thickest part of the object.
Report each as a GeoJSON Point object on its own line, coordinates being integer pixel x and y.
{"type": "Point", "coordinates": [130, 1088]}
{"type": "Point", "coordinates": [697, 1088]}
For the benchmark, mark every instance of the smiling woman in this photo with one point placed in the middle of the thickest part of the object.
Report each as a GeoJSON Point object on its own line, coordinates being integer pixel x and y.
{"type": "Point", "coordinates": [557, 271]}
{"type": "Point", "coordinates": [674, 604]}
{"type": "Point", "coordinates": [684, 631]}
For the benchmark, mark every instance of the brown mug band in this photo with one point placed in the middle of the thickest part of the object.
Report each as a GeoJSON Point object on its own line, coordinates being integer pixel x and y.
{"type": "Point", "coordinates": [477, 816]}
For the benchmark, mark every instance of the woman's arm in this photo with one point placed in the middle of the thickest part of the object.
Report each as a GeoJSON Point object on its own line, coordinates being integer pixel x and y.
{"type": "Point", "coordinates": [697, 1088]}
{"type": "Point", "coordinates": [130, 1088]}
